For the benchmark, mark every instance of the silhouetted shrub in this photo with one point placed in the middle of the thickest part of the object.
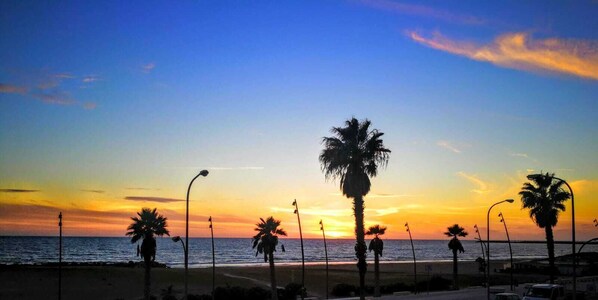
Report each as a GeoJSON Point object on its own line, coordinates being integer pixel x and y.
{"type": "Point", "coordinates": [292, 290]}
{"type": "Point", "coordinates": [437, 283]}
{"type": "Point", "coordinates": [257, 293]}
{"type": "Point", "coordinates": [169, 297]}
{"type": "Point", "coordinates": [343, 290]}
{"type": "Point", "coordinates": [199, 297]}
{"type": "Point", "coordinates": [395, 287]}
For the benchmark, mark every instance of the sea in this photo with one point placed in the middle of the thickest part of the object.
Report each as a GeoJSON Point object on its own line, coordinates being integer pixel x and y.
{"type": "Point", "coordinates": [239, 252]}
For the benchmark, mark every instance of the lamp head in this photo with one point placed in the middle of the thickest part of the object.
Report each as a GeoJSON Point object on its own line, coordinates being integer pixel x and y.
{"type": "Point", "coordinates": [294, 202]}
{"type": "Point", "coordinates": [176, 238]}
{"type": "Point", "coordinates": [510, 200]}
{"type": "Point", "coordinates": [210, 219]}
{"type": "Point", "coordinates": [204, 173]}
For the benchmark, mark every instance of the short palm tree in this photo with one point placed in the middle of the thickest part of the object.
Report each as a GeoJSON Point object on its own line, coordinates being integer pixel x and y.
{"type": "Point", "coordinates": [544, 197]}
{"type": "Point", "coordinates": [146, 225]}
{"type": "Point", "coordinates": [265, 242]}
{"type": "Point", "coordinates": [455, 245]}
{"type": "Point", "coordinates": [353, 155]}
{"type": "Point", "coordinates": [376, 245]}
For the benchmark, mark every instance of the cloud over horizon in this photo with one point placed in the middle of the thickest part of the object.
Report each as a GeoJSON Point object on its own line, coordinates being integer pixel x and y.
{"type": "Point", "coordinates": [18, 191]}
{"type": "Point", "coordinates": [423, 11]}
{"type": "Point", "coordinates": [153, 199]}
{"type": "Point", "coordinates": [520, 51]}
{"type": "Point", "coordinates": [482, 186]}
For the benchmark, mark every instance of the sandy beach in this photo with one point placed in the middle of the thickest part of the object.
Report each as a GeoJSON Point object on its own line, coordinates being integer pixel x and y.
{"type": "Point", "coordinates": [109, 282]}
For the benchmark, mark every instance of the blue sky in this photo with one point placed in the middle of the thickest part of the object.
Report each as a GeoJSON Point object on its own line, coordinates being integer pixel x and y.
{"type": "Point", "coordinates": [107, 96]}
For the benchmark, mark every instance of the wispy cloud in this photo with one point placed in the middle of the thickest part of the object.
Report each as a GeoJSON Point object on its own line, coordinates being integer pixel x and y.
{"type": "Point", "coordinates": [152, 199]}
{"type": "Point", "coordinates": [520, 51]}
{"type": "Point", "coordinates": [449, 146]}
{"type": "Point", "coordinates": [482, 186]}
{"type": "Point", "coordinates": [524, 155]}
{"type": "Point", "coordinates": [148, 67]}
{"type": "Point", "coordinates": [54, 97]}
{"type": "Point", "coordinates": [90, 79]}
{"type": "Point", "coordinates": [93, 191]}
{"type": "Point", "coordinates": [423, 11]}
{"type": "Point", "coordinates": [12, 89]}
{"type": "Point", "coordinates": [141, 189]}
{"type": "Point", "coordinates": [18, 191]}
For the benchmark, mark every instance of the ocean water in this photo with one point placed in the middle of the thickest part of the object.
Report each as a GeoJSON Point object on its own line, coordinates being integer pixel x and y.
{"type": "Point", "coordinates": [238, 251]}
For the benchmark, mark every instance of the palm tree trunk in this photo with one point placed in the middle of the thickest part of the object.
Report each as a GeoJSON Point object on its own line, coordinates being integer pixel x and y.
{"type": "Point", "coordinates": [360, 247]}
{"type": "Point", "coordinates": [455, 271]}
{"type": "Point", "coordinates": [146, 288]}
{"type": "Point", "coordinates": [550, 245]}
{"type": "Point", "coordinates": [273, 288]}
{"type": "Point", "coordinates": [376, 275]}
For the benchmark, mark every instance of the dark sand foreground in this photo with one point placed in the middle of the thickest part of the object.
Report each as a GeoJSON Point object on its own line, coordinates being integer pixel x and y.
{"type": "Point", "coordinates": [109, 282]}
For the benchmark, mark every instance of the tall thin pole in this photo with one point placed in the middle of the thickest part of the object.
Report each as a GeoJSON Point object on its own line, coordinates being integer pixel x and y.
{"type": "Point", "coordinates": [302, 252]}
{"type": "Point", "coordinates": [213, 259]}
{"type": "Point", "coordinates": [477, 230]}
{"type": "Point", "coordinates": [60, 257]}
{"type": "Point", "coordinates": [201, 173]}
{"type": "Point", "coordinates": [572, 237]}
{"type": "Point", "coordinates": [502, 220]}
{"type": "Point", "coordinates": [325, 255]}
{"type": "Point", "coordinates": [414, 262]}
{"type": "Point", "coordinates": [488, 245]}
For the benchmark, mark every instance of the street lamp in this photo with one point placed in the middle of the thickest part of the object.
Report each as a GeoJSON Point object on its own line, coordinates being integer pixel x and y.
{"type": "Point", "coordinates": [177, 239]}
{"type": "Point", "coordinates": [213, 258]}
{"type": "Point", "coordinates": [595, 223]}
{"type": "Point", "coordinates": [502, 220]}
{"type": "Point", "coordinates": [488, 244]}
{"type": "Point", "coordinates": [414, 263]}
{"type": "Point", "coordinates": [325, 255]}
{"type": "Point", "coordinates": [534, 176]}
{"type": "Point", "coordinates": [60, 257]}
{"type": "Point", "coordinates": [477, 230]}
{"type": "Point", "coordinates": [203, 173]}
{"type": "Point", "coordinates": [302, 253]}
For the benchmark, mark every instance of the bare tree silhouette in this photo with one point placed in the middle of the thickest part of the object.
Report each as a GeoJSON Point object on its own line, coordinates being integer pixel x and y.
{"type": "Point", "coordinates": [146, 225]}
{"type": "Point", "coordinates": [265, 242]}
{"type": "Point", "coordinates": [353, 155]}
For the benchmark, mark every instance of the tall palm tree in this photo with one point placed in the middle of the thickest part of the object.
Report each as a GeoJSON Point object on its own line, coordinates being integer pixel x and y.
{"type": "Point", "coordinates": [146, 225]}
{"type": "Point", "coordinates": [353, 155]}
{"type": "Point", "coordinates": [455, 245]}
{"type": "Point", "coordinates": [376, 245]}
{"type": "Point", "coordinates": [265, 242]}
{"type": "Point", "coordinates": [544, 197]}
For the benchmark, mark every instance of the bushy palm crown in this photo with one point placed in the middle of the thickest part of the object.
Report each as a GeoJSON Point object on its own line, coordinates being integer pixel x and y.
{"type": "Point", "coordinates": [266, 240]}
{"type": "Point", "coordinates": [376, 244]}
{"type": "Point", "coordinates": [147, 224]}
{"type": "Point", "coordinates": [454, 232]}
{"type": "Point", "coordinates": [544, 198]}
{"type": "Point", "coordinates": [352, 155]}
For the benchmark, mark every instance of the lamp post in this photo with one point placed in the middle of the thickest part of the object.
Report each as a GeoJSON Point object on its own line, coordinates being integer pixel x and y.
{"type": "Point", "coordinates": [60, 256]}
{"type": "Point", "coordinates": [414, 262]}
{"type": "Point", "coordinates": [477, 230]}
{"type": "Point", "coordinates": [533, 176]}
{"type": "Point", "coordinates": [325, 255]}
{"type": "Point", "coordinates": [302, 253]}
{"type": "Point", "coordinates": [502, 220]}
{"type": "Point", "coordinates": [203, 173]}
{"type": "Point", "coordinates": [488, 245]}
{"type": "Point", "coordinates": [177, 239]}
{"type": "Point", "coordinates": [213, 258]}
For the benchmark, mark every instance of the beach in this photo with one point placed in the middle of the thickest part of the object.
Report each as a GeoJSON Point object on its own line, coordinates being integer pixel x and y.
{"type": "Point", "coordinates": [110, 282]}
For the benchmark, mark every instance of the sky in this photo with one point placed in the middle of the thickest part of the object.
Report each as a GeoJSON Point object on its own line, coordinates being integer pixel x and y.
{"type": "Point", "coordinates": [107, 107]}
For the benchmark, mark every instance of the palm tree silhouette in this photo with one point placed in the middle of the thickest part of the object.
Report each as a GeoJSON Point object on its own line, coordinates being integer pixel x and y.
{"type": "Point", "coordinates": [353, 155]}
{"type": "Point", "coordinates": [455, 245]}
{"type": "Point", "coordinates": [265, 242]}
{"type": "Point", "coordinates": [544, 198]}
{"type": "Point", "coordinates": [147, 225]}
{"type": "Point", "coordinates": [376, 245]}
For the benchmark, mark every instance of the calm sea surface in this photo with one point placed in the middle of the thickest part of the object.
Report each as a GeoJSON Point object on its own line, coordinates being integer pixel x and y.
{"type": "Point", "coordinates": [236, 251]}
